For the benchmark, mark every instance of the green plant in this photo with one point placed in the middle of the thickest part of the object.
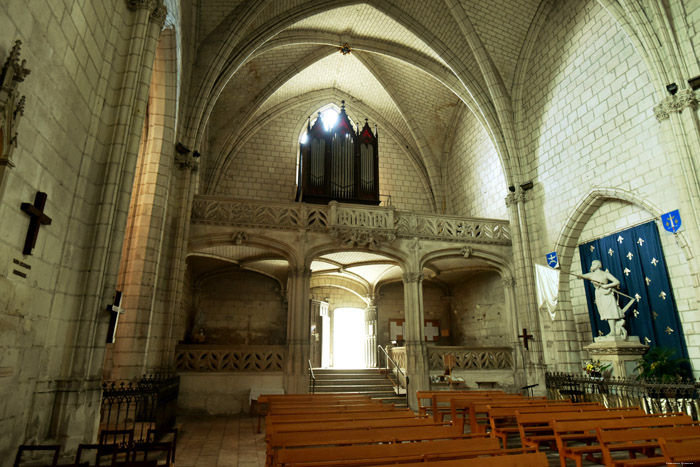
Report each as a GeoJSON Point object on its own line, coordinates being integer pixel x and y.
{"type": "Point", "coordinates": [660, 364]}
{"type": "Point", "coordinates": [596, 367]}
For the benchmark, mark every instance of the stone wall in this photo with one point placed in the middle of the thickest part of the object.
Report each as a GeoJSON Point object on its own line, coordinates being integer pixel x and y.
{"type": "Point", "coordinates": [474, 174]}
{"type": "Point", "coordinates": [73, 95]}
{"type": "Point", "coordinates": [590, 126]}
{"type": "Point", "coordinates": [265, 168]}
{"type": "Point", "coordinates": [241, 308]}
{"type": "Point", "coordinates": [479, 312]}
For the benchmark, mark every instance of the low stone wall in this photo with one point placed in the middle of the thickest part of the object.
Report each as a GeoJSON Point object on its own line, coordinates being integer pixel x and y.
{"type": "Point", "coordinates": [218, 379]}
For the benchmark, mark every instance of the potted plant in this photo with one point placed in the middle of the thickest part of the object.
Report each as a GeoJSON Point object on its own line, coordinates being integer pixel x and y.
{"type": "Point", "coordinates": [660, 365]}
{"type": "Point", "coordinates": [596, 369]}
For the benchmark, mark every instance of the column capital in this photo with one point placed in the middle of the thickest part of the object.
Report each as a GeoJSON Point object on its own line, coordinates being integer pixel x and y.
{"type": "Point", "coordinates": [140, 4]}
{"type": "Point", "coordinates": [412, 277]}
{"type": "Point", "coordinates": [518, 196]}
{"type": "Point", "coordinates": [508, 282]}
{"type": "Point", "coordinates": [685, 98]}
{"type": "Point", "coordinates": [158, 15]}
{"type": "Point", "coordinates": [299, 272]}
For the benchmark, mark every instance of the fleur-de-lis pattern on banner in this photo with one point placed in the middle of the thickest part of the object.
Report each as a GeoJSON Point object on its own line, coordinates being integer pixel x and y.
{"type": "Point", "coordinates": [635, 257]}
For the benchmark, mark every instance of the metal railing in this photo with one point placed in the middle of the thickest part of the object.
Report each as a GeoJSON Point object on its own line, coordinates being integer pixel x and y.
{"type": "Point", "coordinates": [652, 396]}
{"type": "Point", "coordinates": [313, 378]}
{"type": "Point", "coordinates": [147, 404]}
{"type": "Point", "coordinates": [396, 371]}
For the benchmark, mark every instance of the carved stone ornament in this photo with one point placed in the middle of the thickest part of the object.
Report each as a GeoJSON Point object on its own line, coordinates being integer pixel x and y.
{"type": "Point", "coordinates": [508, 282]}
{"type": "Point", "coordinates": [141, 4]}
{"type": "Point", "coordinates": [160, 12]}
{"type": "Point", "coordinates": [239, 238]}
{"type": "Point", "coordinates": [187, 161]}
{"type": "Point", "coordinates": [467, 251]}
{"type": "Point", "coordinates": [11, 105]}
{"type": "Point", "coordinates": [362, 238]}
{"type": "Point", "coordinates": [412, 277]}
{"type": "Point", "coordinates": [520, 196]}
{"type": "Point", "coordinates": [640, 350]}
{"type": "Point", "coordinates": [300, 272]}
{"type": "Point", "coordinates": [685, 98]}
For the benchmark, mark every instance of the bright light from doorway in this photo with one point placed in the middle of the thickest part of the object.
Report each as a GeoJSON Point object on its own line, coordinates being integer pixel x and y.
{"type": "Point", "coordinates": [348, 338]}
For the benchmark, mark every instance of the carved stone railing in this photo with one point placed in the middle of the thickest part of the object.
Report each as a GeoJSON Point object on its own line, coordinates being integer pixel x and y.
{"type": "Point", "coordinates": [224, 358]}
{"type": "Point", "coordinates": [353, 224]}
{"type": "Point", "coordinates": [472, 358]}
{"type": "Point", "coordinates": [398, 354]}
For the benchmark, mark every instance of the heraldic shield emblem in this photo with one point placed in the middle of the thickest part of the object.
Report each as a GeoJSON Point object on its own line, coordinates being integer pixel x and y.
{"type": "Point", "coordinates": [671, 221]}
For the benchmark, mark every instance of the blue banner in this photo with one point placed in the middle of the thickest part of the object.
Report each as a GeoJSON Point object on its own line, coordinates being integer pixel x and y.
{"type": "Point", "coordinates": [634, 256]}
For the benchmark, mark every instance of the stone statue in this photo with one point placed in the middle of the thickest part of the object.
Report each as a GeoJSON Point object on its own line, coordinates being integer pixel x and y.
{"type": "Point", "coordinates": [606, 299]}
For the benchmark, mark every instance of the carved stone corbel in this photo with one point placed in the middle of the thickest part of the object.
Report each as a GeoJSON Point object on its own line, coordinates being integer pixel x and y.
{"type": "Point", "coordinates": [239, 238]}
{"type": "Point", "coordinates": [362, 238]}
{"type": "Point", "coordinates": [11, 105]}
{"type": "Point", "coordinates": [685, 98]}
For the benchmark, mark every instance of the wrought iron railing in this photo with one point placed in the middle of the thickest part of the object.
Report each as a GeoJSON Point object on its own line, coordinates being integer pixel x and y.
{"type": "Point", "coordinates": [395, 371]}
{"type": "Point", "coordinates": [147, 404]}
{"type": "Point", "coordinates": [472, 358]}
{"type": "Point", "coordinates": [652, 396]}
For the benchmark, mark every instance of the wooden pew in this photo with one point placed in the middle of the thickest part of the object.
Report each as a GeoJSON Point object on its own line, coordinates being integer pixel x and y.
{"type": "Point", "coordinates": [359, 436]}
{"type": "Point", "coordinates": [338, 416]}
{"type": "Point", "coordinates": [503, 422]}
{"type": "Point", "coordinates": [635, 440]}
{"type": "Point", "coordinates": [383, 453]}
{"type": "Point", "coordinates": [535, 459]}
{"type": "Point", "coordinates": [335, 425]}
{"type": "Point", "coordinates": [681, 451]}
{"type": "Point", "coordinates": [442, 401]}
{"type": "Point", "coordinates": [425, 398]}
{"type": "Point", "coordinates": [583, 432]}
{"type": "Point", "coordinates": [475, 412]}
{"type": "Point", "coordinates": [334, 409]}
{"type": "Point", "coordinates": [535, 428]}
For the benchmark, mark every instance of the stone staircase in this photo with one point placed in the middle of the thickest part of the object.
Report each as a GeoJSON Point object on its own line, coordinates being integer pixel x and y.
{"type": "Point", "coordinates": [369, 381]}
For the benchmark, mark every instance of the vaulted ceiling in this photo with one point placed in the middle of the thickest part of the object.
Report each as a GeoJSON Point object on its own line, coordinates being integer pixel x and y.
{"type": "Point", "coordinates": [415, 66]}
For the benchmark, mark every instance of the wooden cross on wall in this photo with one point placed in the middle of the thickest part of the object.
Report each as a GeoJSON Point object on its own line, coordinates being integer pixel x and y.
{"type": "Point", "coordinates": [38, 218]}
{"type": "Point", "coordinates": [526, 337]}
{"type": "Point", "coordinates": [115, 309]}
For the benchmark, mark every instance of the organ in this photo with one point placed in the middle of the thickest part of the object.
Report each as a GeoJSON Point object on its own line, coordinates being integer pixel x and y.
{"type": "Point", "coordinates": [339, 164]}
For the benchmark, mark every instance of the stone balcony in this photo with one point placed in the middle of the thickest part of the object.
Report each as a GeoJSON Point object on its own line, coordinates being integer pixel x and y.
{"type": "Point", "coordinates": [357, 223]}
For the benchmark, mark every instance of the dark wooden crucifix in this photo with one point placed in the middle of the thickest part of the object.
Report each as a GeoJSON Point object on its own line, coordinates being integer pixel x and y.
{"type": "Point", "coordinates": [526, 337]}
{"type": "Point", "coordinates": [115, 309]}
{"type": "Point", "coordinates": [36, 213]}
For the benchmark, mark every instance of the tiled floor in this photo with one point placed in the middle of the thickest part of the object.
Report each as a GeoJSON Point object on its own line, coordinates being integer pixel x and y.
{"type": "Point", "coordinates": [233, 441]}
{"type": "Point", "coordinates": [208, 441]}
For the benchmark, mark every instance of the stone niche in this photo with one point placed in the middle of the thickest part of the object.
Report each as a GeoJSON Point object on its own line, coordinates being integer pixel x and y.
{"type": "Point", "coordinates": [239, 308]}
{"type": "Point", "coordinates": [479, 317]}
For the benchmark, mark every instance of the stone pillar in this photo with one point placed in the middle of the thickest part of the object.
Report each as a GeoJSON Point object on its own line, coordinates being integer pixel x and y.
{"type": "Point", "coordinates": [296, 375]}
{"type": "Point", "coordinates": [371, 333]}
{"type": "Point", "coordinates": [520, 355]}
{"type": "Point", "coordinates": [416, 350]}
{"type": "Point", "coordinates": [76, 408]}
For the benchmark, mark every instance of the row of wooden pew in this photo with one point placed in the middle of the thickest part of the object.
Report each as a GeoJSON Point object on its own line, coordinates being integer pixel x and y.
{"type": "Point", "coordinates": [479, 428]}
{"type": "Point", "coordinates": [353, 430]}
{"type": "Point", "coordinates": [625, 436]}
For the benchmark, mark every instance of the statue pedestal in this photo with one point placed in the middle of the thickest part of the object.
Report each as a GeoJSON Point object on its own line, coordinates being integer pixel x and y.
{"type": "Point", "coordinates": [624, 353]}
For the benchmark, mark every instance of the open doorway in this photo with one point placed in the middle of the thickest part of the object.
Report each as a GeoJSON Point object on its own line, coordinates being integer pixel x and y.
{"type": "Point", "coordinates": [348, 338]}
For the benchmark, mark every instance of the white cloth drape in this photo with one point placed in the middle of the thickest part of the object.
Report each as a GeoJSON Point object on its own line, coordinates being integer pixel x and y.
{"type": "Point", "coordinates": [547, 288]}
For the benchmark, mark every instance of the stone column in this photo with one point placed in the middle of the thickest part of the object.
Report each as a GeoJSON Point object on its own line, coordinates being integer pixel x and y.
{"type": "Point", "coordinates": [520, 357]}
{"type": "Point", "coordinates": [296, 375]}
{"type": "Point", "coordinates": [416, 350]}
{"type": "Point", "coordinates": [77, 394]}
{"type": "Point", "coordinates": [371, 333]}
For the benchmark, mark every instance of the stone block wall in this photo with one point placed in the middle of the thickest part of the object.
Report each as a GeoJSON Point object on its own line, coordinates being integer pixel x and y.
{"type": "Point", "coordinates": [265, 168]}
{"type": "Point", "coordinates": [391, 306]}
{"type": "Point", "coordinates": [76, 55]}
{"type": "Point", "coordinates": [479, 316]}
{"type": "Point", "coordinates": [474, 174]}
{"type": "Point", "coordinates": [241, 308]}
{"type": "Point", "coordinates": [590, 126]}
